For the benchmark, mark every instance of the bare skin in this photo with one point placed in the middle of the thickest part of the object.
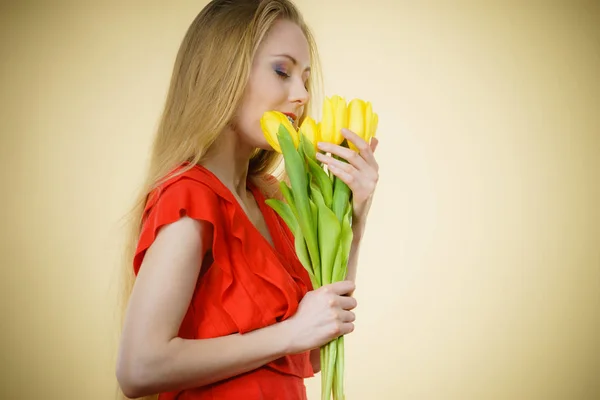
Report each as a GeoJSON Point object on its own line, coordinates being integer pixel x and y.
{"type": "Point", "coordinates": [152, 358]}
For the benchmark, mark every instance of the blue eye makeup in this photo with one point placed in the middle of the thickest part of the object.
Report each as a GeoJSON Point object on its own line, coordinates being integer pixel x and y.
{"type": "Point", "coordinates": [280, 70]}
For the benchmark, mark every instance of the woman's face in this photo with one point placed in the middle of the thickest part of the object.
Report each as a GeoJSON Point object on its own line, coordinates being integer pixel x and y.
{"type": "Point", "coordinates": [278, 80]}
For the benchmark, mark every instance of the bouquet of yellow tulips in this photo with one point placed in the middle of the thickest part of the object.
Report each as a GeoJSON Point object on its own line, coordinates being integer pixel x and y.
{"type": "Point", "coordinates": [318, 205]}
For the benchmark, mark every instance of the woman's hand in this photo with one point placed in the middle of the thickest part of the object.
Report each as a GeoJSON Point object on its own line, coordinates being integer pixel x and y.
{"type": "Point", "coordinates": [360, 172]}
{"type": "Point", "coordinates": [323, 315]}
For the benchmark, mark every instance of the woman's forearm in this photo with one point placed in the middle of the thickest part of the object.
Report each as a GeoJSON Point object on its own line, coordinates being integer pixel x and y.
{"type": "Point", "coordinates": [357, 232]}
{"type": "Point", "coordinates": [184, 363]}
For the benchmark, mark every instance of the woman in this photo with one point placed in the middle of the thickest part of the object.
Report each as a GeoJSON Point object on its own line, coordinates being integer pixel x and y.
{"type": "Point", "coordinates": [221, 307]}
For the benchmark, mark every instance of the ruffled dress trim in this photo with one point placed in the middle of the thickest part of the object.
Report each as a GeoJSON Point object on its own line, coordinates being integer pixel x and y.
{"type": "Point", "coordinates": [250, 284]}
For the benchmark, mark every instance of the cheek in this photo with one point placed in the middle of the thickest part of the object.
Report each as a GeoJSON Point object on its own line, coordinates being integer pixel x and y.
{"type": "Point", "coordinates": [266, 97]}
{"type": "Point", "coordinates": [248, 126]}
{"type": "Point", "coordinates": [263, 93]}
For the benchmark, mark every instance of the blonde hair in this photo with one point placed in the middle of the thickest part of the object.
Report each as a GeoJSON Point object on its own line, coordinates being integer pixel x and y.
{"type": "Point", "coordinates": [209, 78]}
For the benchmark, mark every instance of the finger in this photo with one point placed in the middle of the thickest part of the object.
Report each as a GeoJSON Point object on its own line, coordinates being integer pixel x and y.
{"type": "Point", "coordinates": [356, 140]}
{"type": "Point", "coordinates": [373, 146]}
{"type": "Point", "coordinates": [346, 328]}
{"type": "Point", "coordinates": [346, 172]}
{"type": "Point", "coordinates": [347, 316]}
{"type": "Point", "coordinates": [374, 143]}
{"type": "Point", "coordinates": [340, 288]}
{"type": "Point", "coordinates": [333, 162]}
{"type": "Point", "coordinates": [354, 158]}
{"type": "Point", "coordinates": [363, 147]}
{"type": "Point", "coordinates": [346, 177]}
{"type": "Point", "coordinates": [347, 302]}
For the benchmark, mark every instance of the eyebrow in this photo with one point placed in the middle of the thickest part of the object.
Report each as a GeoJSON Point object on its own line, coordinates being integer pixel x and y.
{"type": "Point", "coordinates": [292, 59]}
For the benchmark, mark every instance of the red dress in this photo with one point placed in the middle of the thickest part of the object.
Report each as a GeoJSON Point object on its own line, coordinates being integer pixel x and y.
{"type": "Point", "coordinates": [249, 285]}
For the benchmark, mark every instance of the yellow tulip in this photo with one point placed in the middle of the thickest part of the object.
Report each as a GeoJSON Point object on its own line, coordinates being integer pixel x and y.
{"type": "Point", "coordinates": [362, 120]}
{"type": "Point", "coordinates": [371, 122]}
{"type": "Point", "coordinates": [310, 130]}
{"type": "Point", "coordinates": [270, 122]}
{"type": "Point", "coordinates": [335, 117]}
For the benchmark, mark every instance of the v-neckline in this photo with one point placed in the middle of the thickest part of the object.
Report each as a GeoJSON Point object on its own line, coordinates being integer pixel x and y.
{"type": "Point", "coordinates": [259, 199]}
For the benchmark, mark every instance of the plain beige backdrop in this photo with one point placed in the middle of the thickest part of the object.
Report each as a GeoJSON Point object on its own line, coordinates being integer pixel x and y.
{"type": "Point", "coordinates": [480, 272]}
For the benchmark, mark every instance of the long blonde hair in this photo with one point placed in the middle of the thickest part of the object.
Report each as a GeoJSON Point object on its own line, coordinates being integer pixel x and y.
{"type": "Point", "coordinates": [207, 84]}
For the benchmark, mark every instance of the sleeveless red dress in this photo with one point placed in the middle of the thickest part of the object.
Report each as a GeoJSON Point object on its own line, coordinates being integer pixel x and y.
{"type": "Point", "coordinates": [249, 285]}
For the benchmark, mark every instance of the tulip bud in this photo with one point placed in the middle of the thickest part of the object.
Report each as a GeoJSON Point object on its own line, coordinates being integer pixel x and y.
{"type": "Point", "coordinates": [356, 117]}
{"type": "Point", "coordinates": [270, 123]}
{"type": "Point", "coordinates": [371, 121]}
{"type": "Point", "coordinates": [362, 120]}
{"type": "Point", "coordinates": [310, 130]}
{"type": "Point", "coordinates": [335, 117]}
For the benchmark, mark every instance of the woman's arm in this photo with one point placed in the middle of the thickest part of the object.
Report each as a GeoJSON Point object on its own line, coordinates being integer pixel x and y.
{"type": "Point", "coordinates": [152, 358]}
{"type": "Point", "coordinates": [360, 172]}
{"type": "Point", "coordinates": [357, 231]}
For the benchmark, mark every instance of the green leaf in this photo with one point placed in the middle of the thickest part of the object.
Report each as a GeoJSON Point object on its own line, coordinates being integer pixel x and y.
{"type": "Point", "coordinates": [295, 168]}
{"type": "Point", "coordinates": [304, 257]}
{"type": "Point", "coordinates": [341, 192]}
{"type": "Point", "coordinates": [309, 148]}
{"type": "Point", "coordinates": [341, 266]}
{"type": "Point", "coordinates": [328, 235]}
{"type": "Point", "coordinates": [300, 151]}
{"type": "Point", "coordinates": [341, 197]}
{"type": "Point", "coordinates": [289, 197]}
{"type": "Point", "coordinates": [315, 214]}
{"type": "Point", "coordinates": [322, 181]}
{"type": "Point", "coordinates": [337, 270]}
{"type": "Point", "coordinates": [285, 212]}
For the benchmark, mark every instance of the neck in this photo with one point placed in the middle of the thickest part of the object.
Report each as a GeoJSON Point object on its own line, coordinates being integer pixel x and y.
{"type": "Point", "coordinates": [228, 159]}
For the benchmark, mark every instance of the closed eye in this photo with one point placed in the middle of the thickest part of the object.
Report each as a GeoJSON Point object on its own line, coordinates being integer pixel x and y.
{"type": "Point", "coordinates": [281, 74]}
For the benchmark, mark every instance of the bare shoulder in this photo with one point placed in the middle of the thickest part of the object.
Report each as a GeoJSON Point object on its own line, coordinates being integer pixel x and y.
{"type": "Point", "coordinates": [178, 247]}
{"type": "Point", "coordinates": [167, 278]}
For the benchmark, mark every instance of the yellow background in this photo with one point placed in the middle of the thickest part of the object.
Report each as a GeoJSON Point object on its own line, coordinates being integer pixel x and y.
{"type": "Point", "coordinates": [480, 273]}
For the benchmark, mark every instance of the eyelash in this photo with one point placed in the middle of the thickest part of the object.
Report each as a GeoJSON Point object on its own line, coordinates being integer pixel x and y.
{"type": "Point", "coordinates": [284, 76]}
{"type": "Point", "coordinates": [281, 74]}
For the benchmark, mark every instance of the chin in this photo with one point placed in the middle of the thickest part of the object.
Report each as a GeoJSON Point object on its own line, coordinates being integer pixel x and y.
{"type": "Point", "coordinates": [265, 146]}
{"type": "Point", "coordinates": [258, 141]}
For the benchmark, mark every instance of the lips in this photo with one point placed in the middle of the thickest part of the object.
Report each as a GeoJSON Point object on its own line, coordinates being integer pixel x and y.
{"type": "Point", "coordinates": [291, 116]}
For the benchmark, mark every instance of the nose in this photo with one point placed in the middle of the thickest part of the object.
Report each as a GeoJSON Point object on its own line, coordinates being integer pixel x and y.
{"type": "Point", "coordinates": [298, 93]}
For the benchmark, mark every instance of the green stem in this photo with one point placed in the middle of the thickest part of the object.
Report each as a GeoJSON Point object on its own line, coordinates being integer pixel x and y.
{"type": "Point", "coordinates": [339, 370]}
{"type": "Point", "coordinates": [331, 357]}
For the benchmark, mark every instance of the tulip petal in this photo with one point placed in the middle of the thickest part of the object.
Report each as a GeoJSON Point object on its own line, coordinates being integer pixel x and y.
{"type": "Point", "coordinates": [374, 125]}
{"type": "Point", "coordinates": [327, 121]}
{"type": "Point", "coordinates": [309, 135]}
{"type": "Point", "coordinates": [356, 117]}
{"type": "Point", "coordinates": [309, 129]}
{"type": "Point", "coordinates": [357, 120]}
{"type": "Point", "coordinates": [270, 123]}
{"type": "Point", "coordinates": [340, 118]}
{"type": "Point", "coordinates": [371, 120]}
